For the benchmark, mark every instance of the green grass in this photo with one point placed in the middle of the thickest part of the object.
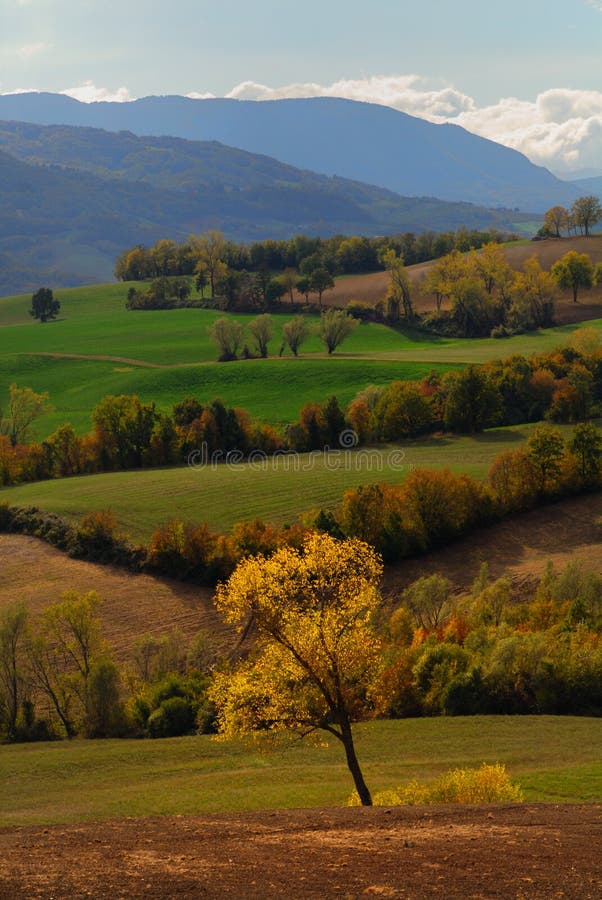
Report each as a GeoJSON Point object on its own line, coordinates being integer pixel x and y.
{"type": "Point", "coordinates": [277, 490]}
{"type": "Point", "coordinates": [165, 355]}
{"type": "Point", "coordinates": [555, 759]}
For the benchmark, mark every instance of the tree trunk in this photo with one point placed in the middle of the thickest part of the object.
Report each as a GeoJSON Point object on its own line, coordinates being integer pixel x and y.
{"type": "Point", "coordinates": [354, 766]}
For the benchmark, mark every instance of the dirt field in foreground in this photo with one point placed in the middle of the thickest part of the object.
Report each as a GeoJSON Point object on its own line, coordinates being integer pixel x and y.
{"type": "Point", "coordinates": [538, 851]}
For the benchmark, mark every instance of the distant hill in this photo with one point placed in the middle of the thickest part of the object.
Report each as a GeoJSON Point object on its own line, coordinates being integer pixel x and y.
{"type": "Point", "coordinates": [589, 186]}
{"type": "Point", "coordinates": [76, 197]}
{"type": "Point", "coordinates": [361, 141]}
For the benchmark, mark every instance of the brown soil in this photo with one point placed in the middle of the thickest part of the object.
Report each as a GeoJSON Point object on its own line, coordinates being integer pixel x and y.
{"type": "Point", "coordinates": [538, 851]}
{"type": "Point", "coordinates": [519, 547]}
{"type": "Point", "coordinates": [371, 288]}
{"type": "Point", "coordinates": [134, 605]}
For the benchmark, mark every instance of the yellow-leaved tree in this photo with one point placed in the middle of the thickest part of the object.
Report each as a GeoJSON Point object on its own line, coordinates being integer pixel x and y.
{"type": "Point", "coordinates": [316, 651]}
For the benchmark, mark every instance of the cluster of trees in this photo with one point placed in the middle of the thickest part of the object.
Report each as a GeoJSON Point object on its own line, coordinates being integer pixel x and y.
{"type": "Point", "coordinates": [563, 386]}
{"type": "Point", "coordinates": [213, 257]}
{"type": "Point", "coordinates": [58, 678]}
{"type": "Point", "coordinates": [431, 508]}
{"type": "Point", "coordinates": [228, 334]}
{"type": "Point", "coordinates": [486, 296]}
{"type": "Point", "coordinates": [580, 218]}
{"type": "Point", "coordinates": [323, 655]}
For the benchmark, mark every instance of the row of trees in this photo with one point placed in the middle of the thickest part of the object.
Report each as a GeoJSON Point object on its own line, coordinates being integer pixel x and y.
{"type": "Point", "coordinates": [228, 334]}
{"type": "Point", "coordinates": [212, 256]}
{"type": "Point", "coordinates": [563, 386]}
{"type": "Point", "coordinates": [580, 218]}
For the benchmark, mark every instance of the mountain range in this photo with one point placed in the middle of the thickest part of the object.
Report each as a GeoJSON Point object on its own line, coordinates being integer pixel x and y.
{"type": "Point", "coordinates": [359, 141]}
{"type": "Point", "coordinates": [72, 198]}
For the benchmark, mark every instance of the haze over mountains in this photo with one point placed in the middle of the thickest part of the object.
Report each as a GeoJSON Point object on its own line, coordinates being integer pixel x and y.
{"type": "Point", "coordinates": [360, 141]}
{"type": "Point", "coordinates": [71, 199]}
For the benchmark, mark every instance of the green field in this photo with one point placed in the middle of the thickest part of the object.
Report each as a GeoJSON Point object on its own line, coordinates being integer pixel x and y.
{"type": "Point", "coordinates": [277, 489]}
{"type": "Point", "coordinates": [555, 759]}
{"type": "Point", "coordinates": [97, 347]}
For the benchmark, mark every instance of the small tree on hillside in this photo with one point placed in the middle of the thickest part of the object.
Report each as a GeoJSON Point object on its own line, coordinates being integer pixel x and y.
{"type": "Point", "coordinates": [586, 212]}
{"type": "Point", "coordinates": [227, 335]}
{"type": "Point", "coordinates": [43, 305]}
{"type": "Point", "coordinates": [316, 653]}
{"type": "Point", "coordinates": [24, 407]}
{"type": "Point", "coordinates": [335, 326]}
{"type": "Point", "coordinates": [261, 329]}
{"type": "Point", "coordinates": [574, 271]}
{"type": "Point", "coordinates": [295, 333]}
{"type": "Point", "coordinates": [556, 220]}
{"type": "Point", "coordinates": [398, 290]}
{"type": "Point", "coordinates": [321, 280]}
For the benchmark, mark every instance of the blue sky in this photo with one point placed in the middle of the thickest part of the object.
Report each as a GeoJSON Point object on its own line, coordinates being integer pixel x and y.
{"type": "Point", "coordinates": [517, 49]}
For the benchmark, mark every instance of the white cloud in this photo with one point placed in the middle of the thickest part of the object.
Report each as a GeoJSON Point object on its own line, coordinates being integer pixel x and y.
{"type": "Point", "coordinates": [597, 4]}
{"type": "Point", "coordinates": [89, 93]}
{"type": "Point", "coordinates": [29, 50]}
{"type": "Point", "coordinates": [560, 129]}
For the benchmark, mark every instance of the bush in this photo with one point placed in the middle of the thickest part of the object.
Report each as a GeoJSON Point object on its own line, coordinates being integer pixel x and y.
{"type": "Point", "coordinates": [174, 718]}
{"type": "Point", "coordinates": [489, 784]}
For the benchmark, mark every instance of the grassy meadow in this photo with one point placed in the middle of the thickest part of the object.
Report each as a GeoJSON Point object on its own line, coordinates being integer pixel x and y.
{"type": "Point", "coordinates": [277, 489]}
{"type": "Point", "coordinates": [555, 759]}
{"type": "Point", "coordinates": [96, 347]}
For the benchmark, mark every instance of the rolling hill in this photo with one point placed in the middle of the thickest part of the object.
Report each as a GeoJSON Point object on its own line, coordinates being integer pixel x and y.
{"type": "Point", "coordinates": [362, 141]}
{"type": "Point", "coordinates": [76, 197]}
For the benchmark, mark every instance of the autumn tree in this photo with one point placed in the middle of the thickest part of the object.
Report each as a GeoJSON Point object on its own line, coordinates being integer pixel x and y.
{"type": "Point", "coordinates": [443, 274]}
{"type": "Point", "coordinates": [545, 448]}
{"type": "Point", "coordinates": [43, 305]}
{"type": "Point", "coordinates": [586, 212]}
{"type": "Point", "coordinates": [13, 623]}
{"type": "Point", "coordinates": [335, 326]}
{"type": "Point", "coordinates": [63, 654]}
{"type": "Point", "coordinates": [316, 652]}
{"type": "Point", "coordinates": [321, 280]}
{"type": "Point", "coordinates": [537, 288]}
{"type": "Point", "coordinates": [295, 333]}
{"type": "Point", "coordinates": [209, 250]}
{"type": "Point", "coordinates": [123, 427]}
{"type": "Point", "coordinates": [227, 335]}
{"type": "Point", "coordinates": [289, 279]}
{"type": "Point", "coordinates": [586, 446]}
{"type": "Point", "coordinates": [261, 330]}
{"type": "Point", "coordinates": [472, 402]}
{"type": "Point", "coordinates": [491, 267]}
{"type": "Point", "coordinates": [403, 411]}
{"type": "Point", "coordinates": [574, 271]}
{"type": "Point", "coordinates": [398, 294]}
{"type": "Point", "coordinates": [556, 220]}
{"type": "Point", "coordinates": [24, 407]}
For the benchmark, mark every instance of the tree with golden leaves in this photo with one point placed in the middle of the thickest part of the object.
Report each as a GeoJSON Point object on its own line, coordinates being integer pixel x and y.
{"type": "Point", "coordinates": [316, 651]}
{"type": "Point", "coordinates": [556, 220]}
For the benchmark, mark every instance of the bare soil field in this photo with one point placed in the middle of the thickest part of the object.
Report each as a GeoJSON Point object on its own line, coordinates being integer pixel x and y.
{"type": "Point", "coordinates": [134, 605]}
{"type": "Point", "coordinates": [371, 288]}
{"type": "Point", "coordinates": [520, 547]}
{"type": "Point", "coordinates": [533, 851]}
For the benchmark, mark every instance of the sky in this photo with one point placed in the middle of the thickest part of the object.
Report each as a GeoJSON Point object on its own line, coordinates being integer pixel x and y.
{"type": "Point", "coordinates": [527, 73]}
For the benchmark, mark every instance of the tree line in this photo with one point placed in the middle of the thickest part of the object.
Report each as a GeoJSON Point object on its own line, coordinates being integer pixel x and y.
{"type": "Point", "coordinates": [583, 215]}
{"type": "Point", "coordinates": [212, 257]}
{"type": "Point", "coordinates": [563, 386]}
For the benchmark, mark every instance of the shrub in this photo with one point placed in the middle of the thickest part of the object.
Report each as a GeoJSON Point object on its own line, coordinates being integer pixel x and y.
{"type": "Point", "coordinates": [488, 784]}
{"type": "Point", "coordinates": [173, 718]}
